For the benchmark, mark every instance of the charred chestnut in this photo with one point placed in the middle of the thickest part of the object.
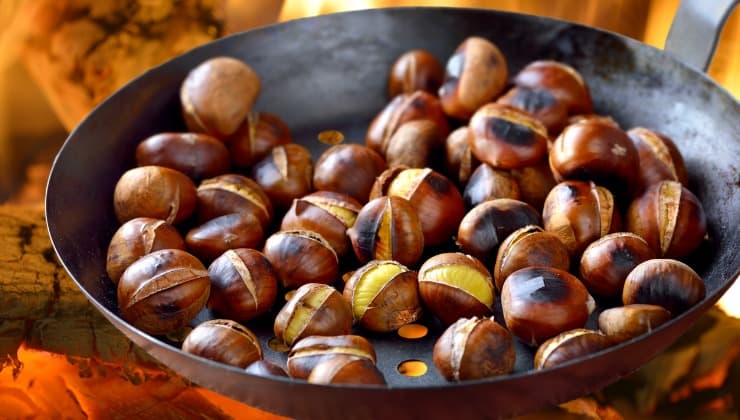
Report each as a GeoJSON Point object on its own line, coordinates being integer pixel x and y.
{"type": "Point", "coordinates": [565, 83]}
{"type": "Point", "coordinates": [232, 193]}
{"type": "Point", "coordinates": [284, 174]}
{"type": "Point", "coordinates": [345, 369]}
{"type": "Point", "coordinates": [570, 345]}
{"type": "Point", "coordinates": [220, 234]}
{"type": "Point", "coordinates": [659, 157]}
{"type": "Point", "coordinates": [196, 155]}
{"type": "Point", "coordinates": [664, 282]}
{"type": "Point", "coordinates": [348, 169]}
{"type": "Point", "coordinates": [224, 341]}
{"type": "Point", "coordinates": [156, 192]}
{"type": "Point", "coordinates": [606, 263]}
{"type": "Point", "coordinates": [626, 322]}
{"type": "Point", "coordinates": [529, 246]}
{"type": "Point", "coordinates": [310, 351]}
{"type": "Point", "coordinates": [300, 257]}
{"type": "Point", "coordinates": [487, 184]}
{"type": "Point", "coordinates": [541, 103]}
{"type": "Point", "coordinates": [415, 70]}
{"type": "Point", "coordinates": [256, 137]}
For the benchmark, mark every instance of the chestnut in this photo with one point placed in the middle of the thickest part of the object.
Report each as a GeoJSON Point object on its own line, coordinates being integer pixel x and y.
{"type": "Point", "coordinates": [314, 309]}
{"type": "Point", "coordinates": [487, 183]}
{"type": "Point", "coordinates": [541, 103]}
{"type": "Point", "coordinates": [570, 345]}
{"type": "Point", "coordinates": [300, 257]}
{"type": "Point", "coordinates": [387, 228]}
{"type": "Point", "coordinates": [486, 226]}
{"type": "Point", "coordinates": [348, 169]}
{"type": "Point", "coordinates": [156, 192]}
{"type": "Point", "coordinates": [578, 213]}
{"type": "Point", "coordinates": [243, 284]}
{"type": "Point", "coordinates": [459, 160]}
{"type": "Point", "coordinates": [328, 213]}
{"type": "Point", "coordinates": [606, 262]}
{"type": "Point", "coordinates": [475, 74]}
{"type": "Point", "coordinates": [345, 369]}
{"type": "Point", "coordinates": [659, 157]}
{"type": "Point", "coordinates": [664, 282]}
{"type": "Point", "coordinates": [256, 137]}
{"type": "Point", "coordinates": [136, 238]}
{"type": "Point", "coordinates": [604, 119]}
{"type": "Point", "coordinates": [284, 174]}
{"type": "Point", "coordinates": [222, 233]}
{"type": "Point", "coordinates": [415, 70]}
{"type": "Point", "coordinates": [384, 296]}
{"type": "Point", "coordinates": [506, 137]}
{"type": "Point", "coordinates": [542, 302]}
{"type": "Point", "coordinates": [669, 217]}
{"type": "Point", "coordinates": [626, 322]}
{"type": "Point", "coordinates": [454, 285]}
{"type": "Point", "coordinates": [163, 291]}
{"type": "Point", "coordinates": [224, 341]}
{"type": "Point", "coordinates": [196, 155]}
{"type": "Point", "coordinates": [474, 348]}
{"type": "Point", "coordinates": [267, 368]}
{"type": "Point", "coordinates": [310, 351]}
{"type": "Point", "coordinates": [232, 193]}
{"type": "Point", "coordinates": [435, 198]}
{"type": "Point", "coordinates": [529, 246]}
{"type": "Point", "coordinates": [565, 83]}
{"type": "Point", "coordinates": [415, 144]}
{"type": "Point", "coordinates": [534, 182]}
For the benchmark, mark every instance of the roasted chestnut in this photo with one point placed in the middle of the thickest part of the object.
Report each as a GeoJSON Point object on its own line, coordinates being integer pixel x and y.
{"type": "Point", "coordinates": [534, 182]}
{"type": "Point", "coordinates": [243, 284]}
{"type": "Point", "coordinates": [435, 198]}
{"type": "Point", "coordinates": [670, 218]}
{"type": "Point", "coordinates": [300, 257]}
{"type": "Point", "coordinates": [475, 74]}
{"type": "Point", "coordinates": [454, 285]}
{"type": "Point", "coordinates": [486, 226]}
{"type": "Point", "coordinates": [474, 348]}
{"type": "Point", "coordinates": [284, 174]}
{"type": "Point", "coordinates": [345, 369]}
{"type": "Point", "coordinates": [604, 119]}
{"type": "Point", "coordinates": [416, 144]}
{"type": "Point", "coordinates": [267, 368]}
{"type": "Point", "coordinates": [348, 169]}
{"type": "Point", "coordinates": [664, 282]}
{"type": "Point", "coordinates": [542, 302]}
{"type": "Point", "coordinates": [224, 341]}
{"type": "Point", "coordinates": [529, 246]}
{"type": "Point", "coordinates": [384, 296]}
{"type": "Point", "coordinates": [607, 262]}
{"type": "Point", "coordinates": [626, 322]}
{"type": "Point", "coordinates": [163, 291]}
{"type": "Point", "coordinates": [459, 160]}
{"type": "Point", "coordinates": [257, 135]}
{"type": "Point", "coordinates": [196, 155]}
{"type": "Point", "coordinates": [541, 103]}
{"type": "Point", "coordinates": [570, 345]}
{"type": "Point", "coordinates": [136, 238]}
{"type": "Point", "coordinates": [487, 184]}
{"type": "Point", "coordinates": [387, 228]}
{"type": "Point", "coordinates": [222, 233]}
{"type": "Point", "coordinates": [233, 193]}
{"type": "Point", "coordinates": [659, 157]}
{"type": "Point", "coordinates": [562, 80]}
{"type": "Point", "coordinates": [314, 309]}
{"type": "Point", "coordinates": [156, 192]}
{"type": "Point", "coordinates": [310, 351]}
{"type": "Point", "coordinates": [415, 70]}
{"type": "Point", "coordinates": [217, 95]}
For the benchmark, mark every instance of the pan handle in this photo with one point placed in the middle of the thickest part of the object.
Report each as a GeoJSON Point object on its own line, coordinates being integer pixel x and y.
{"type": "Point", "coordinates": [695, 30]}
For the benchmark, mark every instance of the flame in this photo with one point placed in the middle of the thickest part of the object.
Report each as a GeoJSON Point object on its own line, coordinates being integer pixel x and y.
{"type": "Point", "coordinates": [730, 301]}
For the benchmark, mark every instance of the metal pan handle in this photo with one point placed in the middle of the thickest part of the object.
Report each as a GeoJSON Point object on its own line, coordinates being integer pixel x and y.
{"type": "Point", "coordinates": [695, 30]}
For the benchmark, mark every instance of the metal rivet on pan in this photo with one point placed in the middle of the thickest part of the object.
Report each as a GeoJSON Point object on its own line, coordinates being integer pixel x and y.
{"type": "Point", "coordinates": [412, 368]}
{"type": "Point", "coordinates": [412, 331]}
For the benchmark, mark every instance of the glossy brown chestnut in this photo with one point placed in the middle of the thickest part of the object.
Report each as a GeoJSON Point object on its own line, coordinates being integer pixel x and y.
{"type": "Point", "coordinates": [196, 155]}
{"type": "Point", "coordinates": [542, 302]}
{"type": "Point", "coordinates": [387, 228]}
{"type": "Point", "coordinates": [220, 234]}
{"type": "Point", "coordinates": [474, 348]}
{"type": "Point", "coordinates": [670, 218]}
{"type": "Point", "coordinates": [626, 322]}
{"type": "Point", "coordinates": [541, 103]}
{"type": "Point", "coordinates": [156, 192]}
{"type": "Point", "coordinates": [534, 182]}
{"type": "Point", "coordinates": [606, 262]}
{"type": "Point", "coordinates": [459, 160]}
{"type": "Point", "coordinates": [286, 173]}
{"type": "Point", "coordinates": [529, 246]}
{"type": "Point", "coordinates": [578, 213]}
{"type": "Point", "coordinates": [243, 284]}
{"type": "Point", "coordinates": [384, 296]}
{"type": "Point", "coordinates": [267, 368]}
{"type": "Point", "coordinates": [664, 282]}
{"type": "Point", "coordinates": [506, 137]}
{"type": "Point", "coordinates": [314, 309]}
{"type": "Point", "coordinates": [565, 83]}
{"type": "Point", "coordinates": [659, 157]}
{"type": "Point", "coordinates": [343, 369]}
{"type": "Point", "coordinates": [416, 144]}
{"type": "Point", "coordinates": [136, 238]}
{"type": "Point", "coordinates": [570, 345]}
{"type": "Point", "coordinates": [348, 169]}
{"type": "Point", "coordinates": [487, 184]}
{"type": "Point", "coordinates": [224, 341]}
{"type": "Point", "coordinates": [233, 193]}
{"type": "Point", "coordinates": [488, 224]}
{"type": "Point", "coordinates": [435, 198]}
{"type": "Point", "coordinates": [300, 257]}
{"type": "Point", "coordinates": [604, 119]}
{"type": "Point", "coordinates": [454, 285]}
{"type": "Point", "coordinates": [217, 95]}
{"type": "Point", "coordinates": [415, 70]}
{"type": "Point", "coordinates": [257, 135]}
{"type": "Point", "coordinates": [310, 351]}
{"type": "Point", "coordinates": [163, 291]}
{"type": "Point", "coordinates": [475, 74]}
{"type": "Point", "coordinates": [328, 213]}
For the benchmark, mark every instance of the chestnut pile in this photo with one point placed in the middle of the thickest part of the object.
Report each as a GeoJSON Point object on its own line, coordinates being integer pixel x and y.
{"type": "Point", "coordinates": [472, 186]}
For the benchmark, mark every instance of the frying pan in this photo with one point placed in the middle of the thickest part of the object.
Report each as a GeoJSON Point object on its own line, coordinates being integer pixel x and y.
{"type": "Point", "coordinates": [329, 72]}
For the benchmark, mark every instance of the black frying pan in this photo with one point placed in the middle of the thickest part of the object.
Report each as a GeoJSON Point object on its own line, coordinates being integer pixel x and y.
{"type": "Point", "coordinates": [330, 73]}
